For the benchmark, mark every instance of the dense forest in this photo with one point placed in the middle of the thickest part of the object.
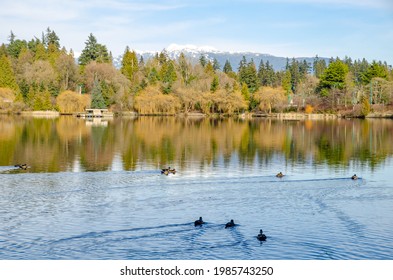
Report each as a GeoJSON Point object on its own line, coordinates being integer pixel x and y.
{"type": "Point", "coordinates": [41, 75]}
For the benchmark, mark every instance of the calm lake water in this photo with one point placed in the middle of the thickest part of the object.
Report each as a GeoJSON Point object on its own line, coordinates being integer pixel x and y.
{"type": "Point", "coordinates": [94, 189]}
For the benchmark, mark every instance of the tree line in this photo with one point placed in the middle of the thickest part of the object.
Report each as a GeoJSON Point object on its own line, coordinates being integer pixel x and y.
{"type": "Point", "coordinates": [41, 75]}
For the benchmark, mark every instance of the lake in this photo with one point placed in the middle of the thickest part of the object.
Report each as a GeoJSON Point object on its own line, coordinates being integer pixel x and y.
{"type": "Point", "coordinates": [94, 190]}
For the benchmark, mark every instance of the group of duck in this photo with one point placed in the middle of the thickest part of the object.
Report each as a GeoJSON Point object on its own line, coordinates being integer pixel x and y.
{"type": "Point", "coordinates": [22, 166]}
{"type": "Point", "coordinates": [168, 170]}
{"type": "Point", "coordinates": [261, 236]}
{"type": "Point", "coordinates": [280, 175]}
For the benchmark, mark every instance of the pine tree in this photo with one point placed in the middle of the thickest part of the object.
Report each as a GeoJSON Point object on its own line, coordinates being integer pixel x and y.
{"type": "Point", "coordinates": [40, 52]}
{"type": "Point", "coordinates": [203, 60]}
{"type": "Point", "coordinates": [167, 76]}
{"type": "Point", "coordinates": [248, 74]}
{"type": "Point", "coordinates": [51, 39]}
{"type": "Point", "coordinates": [7, 77]}
{"type": "Point", "coordinates": [46, 103]}
{"type": "Point", "coordinates": [216, 64]}
{"type": "Point", "coordinates": [209, 68]}
{"type": "Point", "coordinates": [153, 76]}
{"type": "Point", "coordinates": [185, 69]}
{"type": "Point", "coordinates": [93, 51]}
{"type": "Point", "coordinates": [97, 100]}
{"type": "Point", "coordinates": [376, 70]}
{"type": "Point", "coordinates": [227, 67]}
{"type": "Point", "coordinates": [245, 92]}
{"type": "Point", "coordinates": [262, 73]}
{"type": "Point", "coordinates": [15, 46]}
{"type": "Point", "coordinates": [286, 81]}
{"type": "Point", "coordinates": [334, 76]}
{"type": "Point", "coordinates": [270, 75]}
{"type": "Point", "coordinates": [129, 64]}
{"type": "Point", "coordinates": [318, 66]}
{"type": "Point", "coordinates": [214, 84]}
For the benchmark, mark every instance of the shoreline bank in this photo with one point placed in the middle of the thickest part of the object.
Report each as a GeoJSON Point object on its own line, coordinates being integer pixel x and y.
{"type": "Point", "coordinates": [279, 116]}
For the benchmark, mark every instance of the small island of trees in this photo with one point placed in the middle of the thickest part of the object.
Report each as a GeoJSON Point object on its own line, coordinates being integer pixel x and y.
{"type": "Point", "coordinates": [40, 75]}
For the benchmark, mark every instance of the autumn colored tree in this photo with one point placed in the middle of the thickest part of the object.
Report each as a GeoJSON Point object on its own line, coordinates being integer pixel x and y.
{"type": "Point", "coordinates": [72, 102]}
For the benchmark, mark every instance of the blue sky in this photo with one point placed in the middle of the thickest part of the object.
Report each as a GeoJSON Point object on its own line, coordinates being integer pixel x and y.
{"type": "Point", "coordinates": [289, 28]}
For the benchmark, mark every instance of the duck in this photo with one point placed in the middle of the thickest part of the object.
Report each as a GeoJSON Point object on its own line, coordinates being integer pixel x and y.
{"type": "Point", "coordinates": [354, 177]}
{"type": "Point", "coordinates": [165, 170]}
{"type": "Point", "coordinates": [22, 166]}
{"type": "Point", "coordinates": [261, 236]}
{"type": "Point", "coordinates": [279, 175]}
{"type": "Point", "coordinates": [199, 222]}
{"type": "Point", "coordinates": [230, 224]}
{"type": "Point", "coordinates": [173, 171]}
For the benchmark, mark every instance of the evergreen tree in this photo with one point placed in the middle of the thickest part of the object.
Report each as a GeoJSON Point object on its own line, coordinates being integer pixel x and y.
{"type": "Point", "coordinates": [15, 46]}
{"type": "Point", "coordinates": [97, 100]}
{"type": "Point", "coordinates": [3, 50]}
{"type": "Point", "coordinates": [7, 77]}
{"type": "Point", "coordinates": [163, 57]}
{"type": "Point", "coordinates": [168, 76]}
{"type": "Point", "coordinates": [33, 43]}
{"type": "Point", "coordinates": [209, 68]}
{"type": "Point", "coordinates": [319, 65]}
{"type": "Point", "coordinates": [141, 62]}
{"type": "Point", "coordinates": [304, 68]}
{"type": "Point", "coordinates": [40, 52]}
{"type": "Point", "coordinates": [286, 81]}
{"type": "Point", "coordinates": [185, 69]}
{"type": "Point", "coordinates": [270, 75]}
{"type": "Point", "coordinates": [227, 67]}
{"type": "Point", "coordinates": [334, 76]}
{"type": "Point", "coordinates": [262, 73]}
{"type": "Point", "coordinates": [129, 64]}
{"type": "Point", "coordinates": [266, 74]}
{"type": "Point", "coordinates": [153, 76]}
{"type": "Point", "coordinates": [214, 84]}
{"type": "Point", "coordinates": [376, 70]}
{"type": "Point", "coordinates": [248, 74]}
{"type": "Point", "coordinates": [93, 51]}
{"type": "Point", "coordinates": [295, 74]}
{"type": "Point", "coordinates": [203, 60]}
{"type": "Point", "coordinates": [51, 39]}
{"type": "Point", "coordinates": [216, 64]}
{"type": "Point", "coordinates": [46, 103]}
{"type": "Point", "coordinates": [245, 92]}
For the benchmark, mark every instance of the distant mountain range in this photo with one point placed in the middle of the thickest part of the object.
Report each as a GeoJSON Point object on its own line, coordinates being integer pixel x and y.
{"type": "Point", "coordinates": [194, 53]}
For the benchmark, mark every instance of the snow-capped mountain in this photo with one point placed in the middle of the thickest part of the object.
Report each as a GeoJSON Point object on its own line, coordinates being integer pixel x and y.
{"type": "Point", "coordinates": [194, 53]}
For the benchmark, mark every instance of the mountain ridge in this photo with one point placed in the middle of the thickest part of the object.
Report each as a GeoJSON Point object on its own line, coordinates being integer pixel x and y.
{"type": "Point", "coordinates": [194, 53]}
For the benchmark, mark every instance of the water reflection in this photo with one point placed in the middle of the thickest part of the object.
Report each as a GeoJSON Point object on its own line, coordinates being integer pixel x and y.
{"type": "Point", "coordinates": [71, 144]}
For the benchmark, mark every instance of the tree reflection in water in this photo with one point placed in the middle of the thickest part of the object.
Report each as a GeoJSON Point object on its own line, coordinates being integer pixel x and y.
{"type": "Point", "coordinates": [54, 145]}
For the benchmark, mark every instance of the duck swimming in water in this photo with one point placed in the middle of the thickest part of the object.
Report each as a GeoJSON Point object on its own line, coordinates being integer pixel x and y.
{"type": "Point", "coordinates": [168, 170]}
{"type": "Point", "coordinates": [354, 177]}
{"type": "Point", "coordinates": [230, 224]}
{"type": "Point", "coordinates": [199, 222]}
{"type": "Point", "coordinates": [279, 175]}
{"type": "Point", "coordinates": [261, 236]}
{"type": "Point", "coordinates": [22, 166]}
